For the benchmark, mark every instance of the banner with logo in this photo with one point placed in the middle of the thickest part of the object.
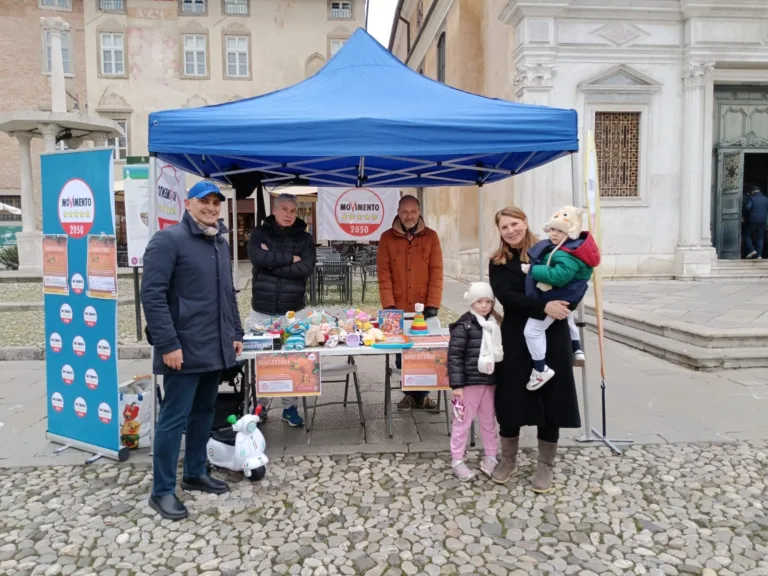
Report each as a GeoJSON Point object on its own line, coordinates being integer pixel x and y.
{"type": "Point", "coordinates": [357, 214]}
{"type": "Point", "coordinates": [171, 189]}
{"type": "Point", "coordinates": [136, 199]}
{"type": "Point", "coordinates": [80, 294]}
{"type": "Point", "coordinates": [592, 188]}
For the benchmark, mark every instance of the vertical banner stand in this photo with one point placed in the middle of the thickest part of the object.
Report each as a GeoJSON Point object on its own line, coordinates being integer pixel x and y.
{"type": "Point", "coordinates": [152, 229]}
{"type": "Point", "coordinates": [137, 301]}
{"type": "Point", "coordinates": [590, 434]}
{"type": "Point", "coordinates": [80, 292]}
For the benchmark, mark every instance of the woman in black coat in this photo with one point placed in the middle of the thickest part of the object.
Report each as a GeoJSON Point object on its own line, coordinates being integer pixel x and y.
{"type": "Point", "coordinates": [553, 406]}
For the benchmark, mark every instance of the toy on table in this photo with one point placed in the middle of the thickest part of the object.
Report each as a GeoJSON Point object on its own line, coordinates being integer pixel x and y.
{"type": "Point", "coordinates": [336, 335]}
{"type": "Point", "coordinates": [419, 325]}
{"type": "Point", "coordinates": [391, 321]}
{"type": "Point", "coordinates": [394, 341]}
{"type": "Point", "coordinates": [314, 336]}
{"type": "Point", "coordinates": [372, 336]}
{"type": "Point", "coordinates": [295, 332]}
{"type": "Point", "coordinates": [353, 340]}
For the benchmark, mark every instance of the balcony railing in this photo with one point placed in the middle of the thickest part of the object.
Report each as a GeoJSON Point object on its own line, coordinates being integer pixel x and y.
{"type": "Point", "coordinates": [56, 3]}
{"type": "Point", "coordinates": [236, 8]}
{"type": "Point", "coordinates": [341, 13]}
{"type": "Point", "coordinates": [193, 7]}
{"type": "Point", "coordinates": [112, 5]}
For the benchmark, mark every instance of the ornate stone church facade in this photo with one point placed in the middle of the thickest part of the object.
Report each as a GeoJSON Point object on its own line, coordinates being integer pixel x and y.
{"type": "Point", "coordinates": [675, 91]}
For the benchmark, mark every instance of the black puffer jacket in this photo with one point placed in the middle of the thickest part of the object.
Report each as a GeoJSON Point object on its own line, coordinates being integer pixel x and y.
{"type": "Point", "coordinates": [279, 284]}
{"type": "Point", "coordinates": [463, 353]}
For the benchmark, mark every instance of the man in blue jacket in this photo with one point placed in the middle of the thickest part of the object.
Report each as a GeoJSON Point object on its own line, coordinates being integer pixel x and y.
{"type": "Point", "coordinates": [194, 325]}
{"type": "Point", "coordinates": [756, 214]}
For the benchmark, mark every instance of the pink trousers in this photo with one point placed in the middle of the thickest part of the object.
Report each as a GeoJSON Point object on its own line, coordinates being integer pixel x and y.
{"type": "Point", "coordinates": [478, 401]}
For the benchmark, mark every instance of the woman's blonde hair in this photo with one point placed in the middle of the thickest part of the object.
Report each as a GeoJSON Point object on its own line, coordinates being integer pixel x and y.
{"type": "Point", "coordinates": [504, 253]}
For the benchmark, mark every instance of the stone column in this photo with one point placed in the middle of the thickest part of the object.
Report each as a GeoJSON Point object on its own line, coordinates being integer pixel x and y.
{"type": "Point", "coordinates": [49, 132]}
{"type": "Point", "coordinates": [55, 27]}
{"type": "Point", "coordinates": [99, 139]}
{"type": "Point", "coordinates": [29, 240]}
{"type": "Point", "coordinates": [533, 189]}
{"type": "Point", "coordinates": [693, 257]}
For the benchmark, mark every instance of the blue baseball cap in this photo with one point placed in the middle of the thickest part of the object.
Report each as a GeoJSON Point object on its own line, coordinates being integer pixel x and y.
{"type": "Point", "coordinates": [203, 189]}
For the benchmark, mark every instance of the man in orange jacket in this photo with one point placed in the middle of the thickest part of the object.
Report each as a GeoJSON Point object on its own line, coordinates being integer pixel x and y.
{"type": "Point", "coordinates": [410, 270]}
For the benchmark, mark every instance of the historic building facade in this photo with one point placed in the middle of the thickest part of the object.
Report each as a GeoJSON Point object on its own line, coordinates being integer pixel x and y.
{"type": "Point", "coordinates": [676, 92]}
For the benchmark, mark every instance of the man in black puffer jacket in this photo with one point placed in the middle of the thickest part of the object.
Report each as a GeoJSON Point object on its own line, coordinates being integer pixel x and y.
{"type": "Point", "coordinates": [283, 256]}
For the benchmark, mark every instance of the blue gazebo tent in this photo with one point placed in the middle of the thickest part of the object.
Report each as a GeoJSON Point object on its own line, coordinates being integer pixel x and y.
{"type": "Point", "coordinates": [365, 119]}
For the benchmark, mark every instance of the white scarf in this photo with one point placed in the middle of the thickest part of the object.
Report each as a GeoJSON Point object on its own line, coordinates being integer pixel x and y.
{"type": "Point", "coordinates": [490, 348]}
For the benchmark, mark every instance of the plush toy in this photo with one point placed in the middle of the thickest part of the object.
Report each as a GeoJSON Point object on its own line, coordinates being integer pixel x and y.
{"type": "Point", "coordinates": [296, 332]}
{"type": "Point", "coordinates": [335, 336]}
{"type": "Point", "coordinates": [317, 317]}
{"type": "Point", "coordinates": [314, 336]}
{"type": "Point", "coordinates": [372, 336]}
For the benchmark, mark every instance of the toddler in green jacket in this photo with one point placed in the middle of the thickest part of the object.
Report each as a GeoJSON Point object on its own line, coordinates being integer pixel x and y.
{"type": "Point", "coordinates": [560, 269]}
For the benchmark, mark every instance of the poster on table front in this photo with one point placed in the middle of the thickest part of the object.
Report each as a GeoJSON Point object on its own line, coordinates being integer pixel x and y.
{"type": "Point", "coordinates": [288, 374]}
{"type": "Point", "coordinates": [81, 321]}
{"type": "Point", "coordinates": [356, 214]}
{"type": "Point", "coordinates": [425, 366]}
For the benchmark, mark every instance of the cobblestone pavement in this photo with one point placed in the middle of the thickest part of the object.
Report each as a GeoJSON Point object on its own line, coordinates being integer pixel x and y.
{"type": "Point", "coordinates": [27, 327]}
{"type": "Point", "coordinates": [660, 510]}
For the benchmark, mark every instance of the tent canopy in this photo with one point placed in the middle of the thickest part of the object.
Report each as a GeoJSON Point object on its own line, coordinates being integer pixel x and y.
{"type": "Point", "coordinates": [365, 119]}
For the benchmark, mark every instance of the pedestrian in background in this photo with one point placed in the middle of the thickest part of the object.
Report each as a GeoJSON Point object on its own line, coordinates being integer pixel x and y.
{"type": "Point", "coordinates": [194, 325]}
{"type": "Point", "coordinates": [755, 215]}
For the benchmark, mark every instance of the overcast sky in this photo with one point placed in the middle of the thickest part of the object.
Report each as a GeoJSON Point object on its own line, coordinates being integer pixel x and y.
{"type": "Point", "coordinates": [380, 19]}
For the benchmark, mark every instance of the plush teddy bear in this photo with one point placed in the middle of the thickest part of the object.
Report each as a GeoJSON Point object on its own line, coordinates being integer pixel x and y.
{"type": "Point", "coordinates": [314, 336]}
{"type": "Point", "coordinates": [296, 332]}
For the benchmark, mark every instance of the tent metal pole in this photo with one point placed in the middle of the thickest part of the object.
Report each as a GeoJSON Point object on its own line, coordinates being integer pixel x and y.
{"type": "Point", "coordinates": [235, 242]}
{"type": "Point", "coordinates": [480, 256]}
{"type": "Point", "coordinates": [152, 191]}
{"type": "Point", "coordinates": [580, 321]}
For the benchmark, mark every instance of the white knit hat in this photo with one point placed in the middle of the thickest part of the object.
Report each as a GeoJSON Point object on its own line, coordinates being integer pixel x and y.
{"type": "Point", "coordinates": [478, 290]}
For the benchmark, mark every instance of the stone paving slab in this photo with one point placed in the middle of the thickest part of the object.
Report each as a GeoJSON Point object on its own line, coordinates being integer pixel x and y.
{"type": "Point", "coordinates": [712, 305]}
{"type": "Point", "coordinates": [657, 510]}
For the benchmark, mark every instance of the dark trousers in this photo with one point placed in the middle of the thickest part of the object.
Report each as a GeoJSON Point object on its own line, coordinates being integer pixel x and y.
{"type": "Point", "coordinates": [549, 434]}
{"type": "Point", "coordinates": [187, 408]}
{"type": "Point", "coordinates": [417, 396]}
{"type": "Point", "coordinates": [754, 238]}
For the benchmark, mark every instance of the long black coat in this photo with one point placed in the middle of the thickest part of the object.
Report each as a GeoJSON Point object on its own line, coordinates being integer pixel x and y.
{"type": "Point", "coordinates": [464, 351]}
{"type": "Point", "coordinates": [189, 300]}
{"type": "Point", "coordinates": [279, 285]}
{"type": "Point", "coordinates": [555, 404]}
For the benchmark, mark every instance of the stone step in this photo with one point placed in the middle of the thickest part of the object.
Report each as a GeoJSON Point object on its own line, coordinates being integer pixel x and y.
{"type": "Point", "coordinates": [684, 354]}
{"type": "Point", "coordinates": [684, 332]}
{"type": "Point", "coordinates": [739, 269]}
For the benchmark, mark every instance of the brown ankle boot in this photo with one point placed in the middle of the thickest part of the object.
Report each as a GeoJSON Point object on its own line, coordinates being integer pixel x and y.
{"type": "Point", "coordinates": [508, 460]}
{"type": "Point", "coordinates": [542, 482]}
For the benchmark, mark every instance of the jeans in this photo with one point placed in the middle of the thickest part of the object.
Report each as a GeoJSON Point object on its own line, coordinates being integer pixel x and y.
{"type": "Point", "coordinates": [188, 408]}
{"type": "Point", "coordinates": [754, 238]}
{"type": "Point", "coordinates": [417, 396]}
{"type": "Point", "coordinates": [551, 435]}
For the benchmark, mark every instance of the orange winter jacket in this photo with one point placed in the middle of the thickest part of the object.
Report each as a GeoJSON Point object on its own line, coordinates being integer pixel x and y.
{"type": "Point", "coordinates": [410, 269]}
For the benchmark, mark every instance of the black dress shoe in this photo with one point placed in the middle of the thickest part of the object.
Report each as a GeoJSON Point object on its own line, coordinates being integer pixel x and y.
{"type": "Point", "coordinates": [205, 484]}
{"type": "Point", "coordinates": [168, 506]}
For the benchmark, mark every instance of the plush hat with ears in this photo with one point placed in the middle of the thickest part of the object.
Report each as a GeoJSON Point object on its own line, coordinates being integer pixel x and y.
{"type": "Point", "coordinates": [567, 220]}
